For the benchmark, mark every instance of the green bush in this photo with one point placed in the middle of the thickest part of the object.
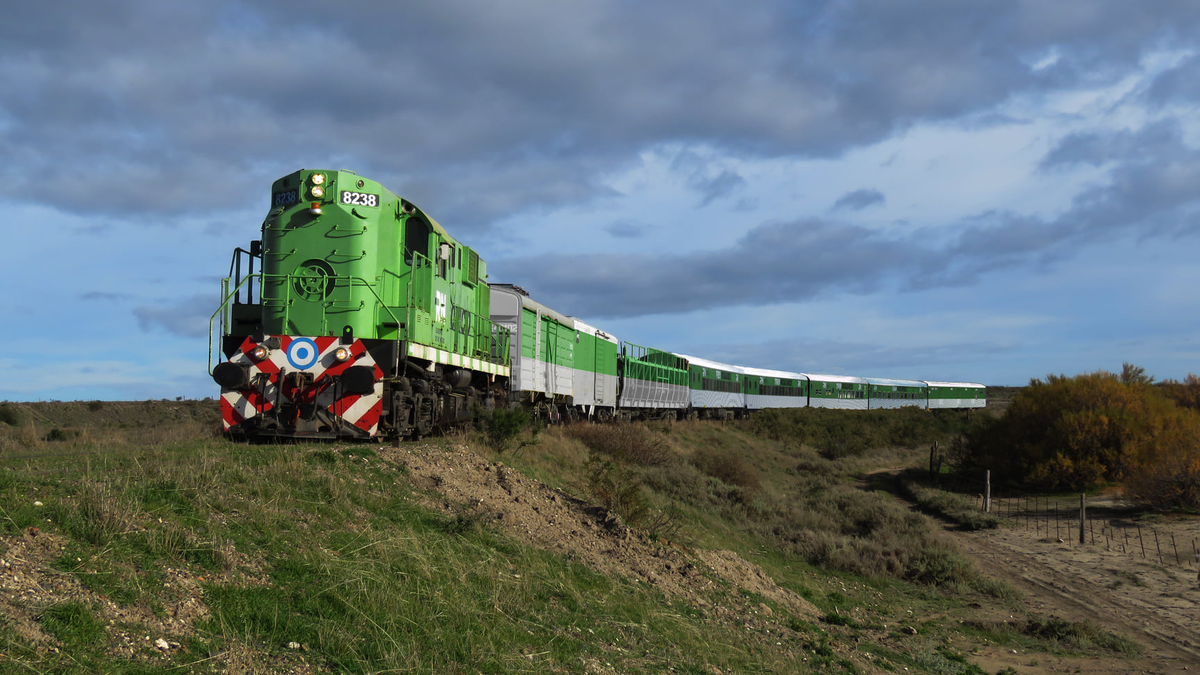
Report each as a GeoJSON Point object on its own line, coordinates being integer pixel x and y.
{"type": "Point", "coordinates": [1082, 432]}
{"type": "Point", "coordinates": [617, 488]}
{"type": "Point", "coordinates": [847, 433]}
{"type": "Point", "coordinates": [728, 466]}
{"type": "Point", "coordinates": [502, 428]}
{"type": "Point", "coordinates": [10, 415]}
{"type": "Point", "coordinates": [625, 442]}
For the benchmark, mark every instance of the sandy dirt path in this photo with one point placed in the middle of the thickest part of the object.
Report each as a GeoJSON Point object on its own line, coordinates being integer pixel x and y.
{"type": "Point", "coordinates": [1109, 582]}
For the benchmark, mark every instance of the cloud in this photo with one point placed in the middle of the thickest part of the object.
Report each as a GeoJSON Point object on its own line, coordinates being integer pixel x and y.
{"type": "Point", "coordinates": [1180, 84]}
{"type": "Point", "coordinates": [835, 357]}
{"type": "Point", "coordinates": [859, 200]}
{"type": "Point", "coordinates": [772, 263]}
{"type": "Point", "coordinates": [1153, 190]}
{"type": "Point", "coordinates": [103, 296]}
{"type": "Point", "coordinates": [186, 318]}
{"type": "Point", "coordinates": [480, 109]}
{"type": "Point", "coordinates": [626, 229]}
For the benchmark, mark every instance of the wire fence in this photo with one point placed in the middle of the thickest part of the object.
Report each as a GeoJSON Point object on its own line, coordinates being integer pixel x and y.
{"type": "Point", "coordinates": [1080, 522]}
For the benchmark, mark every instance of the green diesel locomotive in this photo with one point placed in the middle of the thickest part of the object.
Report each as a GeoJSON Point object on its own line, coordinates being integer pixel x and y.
{"type": "Point", "coordinates": [364, 318]}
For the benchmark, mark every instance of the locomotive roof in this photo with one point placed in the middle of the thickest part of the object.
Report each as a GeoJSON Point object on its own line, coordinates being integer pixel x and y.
{"type": "Point", "coordinates": [705, 363]}
{"type": "Point", "coordinates": [894, 383]}
{"type": "Point", "coordinates": [972, 385]}
{"type": "Point", "coordinates": [592, 330]}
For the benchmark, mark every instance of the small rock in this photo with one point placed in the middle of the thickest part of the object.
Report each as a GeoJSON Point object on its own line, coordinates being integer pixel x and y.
{"type": "Point", "coordinates": [38, 504]}
{"type": "Point", "coordinates": [293, 645]}
{"type": "Point", "coordinates": [908, 630]}
{"type": "Point", "coordinates": [162, 644]}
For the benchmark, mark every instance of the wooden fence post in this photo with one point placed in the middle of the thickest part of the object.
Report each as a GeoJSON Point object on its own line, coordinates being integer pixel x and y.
{"type": "Point", "coordinates": [987, 492]}
{"type": "Point", "coordinates": [1082, 517]}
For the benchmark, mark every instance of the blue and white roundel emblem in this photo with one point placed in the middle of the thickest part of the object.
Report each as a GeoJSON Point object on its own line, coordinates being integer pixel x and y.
{"type": "Point", "coordinates": [302, 353]}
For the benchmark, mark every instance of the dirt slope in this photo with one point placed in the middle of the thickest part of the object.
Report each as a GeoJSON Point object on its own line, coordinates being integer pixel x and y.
{"type": "Point", "coordinates": [463, 483]}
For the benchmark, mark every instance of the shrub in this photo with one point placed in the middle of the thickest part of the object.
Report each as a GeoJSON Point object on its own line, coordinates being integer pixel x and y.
{"type": "Point", "coordinates": [617, 488]}
{"type": "Point", "coordinates": [728, 467]}
{"type": "Point", "coordinates": [10, 415]}
{"type": "Point", "coordinates": [57, 434]}
{"type": "Point", "coordinates": [503, 427]}
{"type": "Point", "coordinates": [1080, 635]}
{"type": "Point", "coordinates": [937, 565]}
{"type": "Point", "coordinates": [845, 433]}
{"type": "Point", "coordinates": [1082, 432]}
{"type": "Point", "coordinates": [625, 442]}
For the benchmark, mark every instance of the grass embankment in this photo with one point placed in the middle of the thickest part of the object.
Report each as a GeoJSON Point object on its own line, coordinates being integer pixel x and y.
{"type": "Point", "coordinates": [119, 533]}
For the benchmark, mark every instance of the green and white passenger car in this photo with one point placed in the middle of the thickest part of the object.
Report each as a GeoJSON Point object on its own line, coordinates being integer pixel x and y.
{"type": "Point", "coordinates": [714, 385]}
{"type": "Point", "coordinates": [887, 393]}
{"type": "Point", "coordinates": [837, 391]}
{"type": "Point", "coordinates": [766, 388]}
{"type": "Point", "coordinates": [956, 395]}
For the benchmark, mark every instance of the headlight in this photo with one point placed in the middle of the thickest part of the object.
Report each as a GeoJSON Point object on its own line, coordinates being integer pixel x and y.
{"type": "Point", "coordinates": [317, 178]}
{"type": "Point", "coordinates": [317, 192]}
{"type": "Point", "coordinates": [341, 355]}
{"type": "Point", "coordinates": [260, 353]}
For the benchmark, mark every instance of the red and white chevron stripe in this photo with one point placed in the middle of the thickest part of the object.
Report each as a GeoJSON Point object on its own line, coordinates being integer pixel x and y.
{"type": "Point", "coordinates": [297, 354]}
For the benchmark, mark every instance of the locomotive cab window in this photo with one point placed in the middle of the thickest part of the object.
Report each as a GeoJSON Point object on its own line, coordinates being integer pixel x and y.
{"type": "Point", "coordinates": [416, 239]}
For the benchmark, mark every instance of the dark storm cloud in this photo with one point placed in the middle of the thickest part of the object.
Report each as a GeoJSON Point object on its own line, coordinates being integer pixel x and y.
{"type": "Point", "coordinates": [770, 264]}
{"type": "Point", "coordinates": [859, 200]}
{"type": "Point", "coordinates": [1153, 190]}
{"type": "Point", "coordinates": [187, 317]}
{"type": "Point", "coordinates": [482, 108]}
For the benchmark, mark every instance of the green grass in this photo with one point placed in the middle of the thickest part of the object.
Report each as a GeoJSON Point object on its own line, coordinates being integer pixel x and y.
{"type": "Point", "coordinates": [328, 546]}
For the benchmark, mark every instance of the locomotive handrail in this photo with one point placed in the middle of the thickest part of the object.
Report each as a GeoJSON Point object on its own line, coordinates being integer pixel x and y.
{"type": "Point", "coordinates": [223, 307]}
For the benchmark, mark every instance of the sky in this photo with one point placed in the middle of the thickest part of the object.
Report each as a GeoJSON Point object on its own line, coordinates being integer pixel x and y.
{"type": "Point", "coordinates": [987, 191]}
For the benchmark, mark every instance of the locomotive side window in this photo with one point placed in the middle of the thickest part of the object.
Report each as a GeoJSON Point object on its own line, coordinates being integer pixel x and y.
{"type": "Point", "coordinates": [416, 239]}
